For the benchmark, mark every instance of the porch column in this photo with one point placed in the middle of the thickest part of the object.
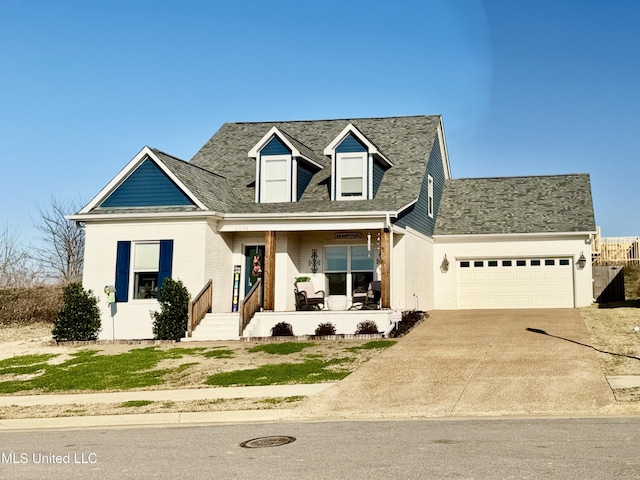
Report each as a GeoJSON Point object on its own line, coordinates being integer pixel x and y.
{"type": "Point", "coordinates": [385, 267]}
{"type": "Point", "coordinates": [269, 273]}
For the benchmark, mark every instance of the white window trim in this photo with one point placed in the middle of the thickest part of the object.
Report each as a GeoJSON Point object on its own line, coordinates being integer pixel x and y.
{"type": "Point", "coordinates": [260, 193]}
{"type": "Point", "coordinates": [430, 206]}
{"type": "Point", "coordinates": [349, 272]}
{"type": "Point", "coordinates": [366, 175]}
{"type": "Point", "coordinates": [134, 270]}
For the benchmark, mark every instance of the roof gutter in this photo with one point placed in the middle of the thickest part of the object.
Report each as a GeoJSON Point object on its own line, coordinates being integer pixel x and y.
{"type": "Point", "coordinates": [511, 236]}
{"type": "Point", "coordinates": [84, 217]}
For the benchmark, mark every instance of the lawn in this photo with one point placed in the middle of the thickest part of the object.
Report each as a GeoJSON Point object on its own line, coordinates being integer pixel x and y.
{"type": "Point", "coordinates": [135, 367]}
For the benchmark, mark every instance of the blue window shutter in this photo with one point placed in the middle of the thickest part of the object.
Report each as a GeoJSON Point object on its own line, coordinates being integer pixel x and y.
{"type": "Point", "coordinates": [123, 261]}
{"type": "Point", "coordinates": [166, 260]}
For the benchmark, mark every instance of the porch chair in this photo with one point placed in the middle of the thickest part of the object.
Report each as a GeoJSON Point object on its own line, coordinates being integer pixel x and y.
{"type": "Point", "coordinates": [307, 297]}
{"type": "Point", "coordinates": [374, 292]}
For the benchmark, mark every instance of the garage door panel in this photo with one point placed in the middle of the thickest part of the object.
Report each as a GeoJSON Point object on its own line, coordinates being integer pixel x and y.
{"type": "Point", "coordinates": [541, 283]}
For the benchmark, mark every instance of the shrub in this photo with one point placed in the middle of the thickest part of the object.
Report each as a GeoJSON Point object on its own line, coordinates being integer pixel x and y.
{"type": "Point", "coordinates": [367, 327]}
{"type": "Point", "coordinates": [326, 329]}
{"type": "Point", "coordinates": [79, 317]}
{"type": "Point", "coordinates": [171, 322]}
{"type": "Point", "coordinates": [27, 305]}
{"type": "Point", "coordinates": [410, 318]}
{"type": "Point", "coordinates": [282, 329]}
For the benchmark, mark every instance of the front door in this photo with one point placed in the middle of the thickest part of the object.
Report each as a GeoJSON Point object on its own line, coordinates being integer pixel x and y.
{"type": "Point", "coordinates": [253, 265]}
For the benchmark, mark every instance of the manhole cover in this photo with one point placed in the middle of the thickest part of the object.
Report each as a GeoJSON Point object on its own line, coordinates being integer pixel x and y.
{"type": "Point", "coordinates": [264, 442]}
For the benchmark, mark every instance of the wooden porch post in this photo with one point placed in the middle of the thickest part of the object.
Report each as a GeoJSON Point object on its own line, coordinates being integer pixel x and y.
{"type": "Point", "coordinates": [385, 267]}
{"type": "Point", "coordinates": [269, 272]}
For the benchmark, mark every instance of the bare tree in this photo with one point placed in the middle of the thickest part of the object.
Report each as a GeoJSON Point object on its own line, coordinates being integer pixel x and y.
{"type": "Point", "coordinates": [15, 268]}
{"type": "Point", "coordinates": [61, 255]}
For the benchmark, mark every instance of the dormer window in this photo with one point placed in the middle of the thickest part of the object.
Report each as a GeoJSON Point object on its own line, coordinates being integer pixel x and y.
{"type": "Point", "coordinates": [357, 166]}
{"type": "Point", "coordinates": [284, 167]}
{"type": "Point", "coordinates": [352, 173]}
{"type": "Point", "coordinates": [275, 178]}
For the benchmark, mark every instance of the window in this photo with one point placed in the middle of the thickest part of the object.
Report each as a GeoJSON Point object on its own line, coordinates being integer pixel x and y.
{"type": "Point", "coordinates": [549, 262]}
{"type": "Point", "coordinates": [478, 263]}
{"type": "Point", "coordinates": [275, 185]}
{"type": "Point", "coordinates": [348, 268]}
{"type": "Point", "coordinates": [506, 263]}
{"type": "Point", "coordinates": [464, 264]}
{"type": "Point", "coordinates": [564, 261]}
{"type": "Point", "coordinates": [146, 261]}
{"type": "Point", "coordinates": [430, 195]}
{"type": "Point", "coordinates": [351, 175]}
{"type": "Point", "coordinates": [535, 263]}
{"type": "Point", "coordinates": [493, 263]}
{"type": "Point", "coordinates": [521, 263]}
{"type": "Point", "coordinates": [144, 264]}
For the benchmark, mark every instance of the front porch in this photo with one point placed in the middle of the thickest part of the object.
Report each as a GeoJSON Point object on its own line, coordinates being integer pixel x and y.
{"type": "Point", "coordinates": [225, 326]}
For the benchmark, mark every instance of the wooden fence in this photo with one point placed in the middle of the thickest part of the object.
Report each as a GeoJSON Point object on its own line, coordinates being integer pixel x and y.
{"type": "Point", "coordinates": [615, 250]}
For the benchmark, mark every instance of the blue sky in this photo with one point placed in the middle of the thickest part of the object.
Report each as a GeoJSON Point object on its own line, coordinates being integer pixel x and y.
{"type": "Point", "coordinates": [524, 87]}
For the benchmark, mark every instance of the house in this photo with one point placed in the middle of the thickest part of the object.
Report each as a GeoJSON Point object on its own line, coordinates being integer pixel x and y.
{"type": "Point", "coordinates": [344, 202]}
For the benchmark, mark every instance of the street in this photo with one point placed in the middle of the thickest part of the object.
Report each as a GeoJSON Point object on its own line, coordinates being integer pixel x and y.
{"type": "Point", "coordinates": [500, 448]}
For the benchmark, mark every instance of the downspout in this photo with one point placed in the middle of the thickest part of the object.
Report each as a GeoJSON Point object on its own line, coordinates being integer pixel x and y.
{"type": "Point", "coordinates": [387, 223]}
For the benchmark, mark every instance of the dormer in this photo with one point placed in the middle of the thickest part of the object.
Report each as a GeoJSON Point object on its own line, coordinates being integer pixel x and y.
{"type": "Point", "coordinates": [284, 167]}
{"type": "Point", "coordinates": [357, 166]}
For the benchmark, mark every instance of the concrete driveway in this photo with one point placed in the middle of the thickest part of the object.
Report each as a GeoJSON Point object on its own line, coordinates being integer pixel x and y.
{"type": "Point", "coordinates": [476, 362]}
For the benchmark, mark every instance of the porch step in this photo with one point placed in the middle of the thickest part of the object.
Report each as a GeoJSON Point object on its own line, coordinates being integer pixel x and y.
{"type": "Point", "coordinates": [216, 326]}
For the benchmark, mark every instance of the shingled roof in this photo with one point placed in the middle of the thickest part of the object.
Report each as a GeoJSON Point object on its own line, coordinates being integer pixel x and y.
{"type": "Point", "coordinates": [540, 204]}
{"type": "Point", "coordinates": [406, 141]}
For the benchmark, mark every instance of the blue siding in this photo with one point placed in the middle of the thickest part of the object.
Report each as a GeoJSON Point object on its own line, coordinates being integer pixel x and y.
{"type": "Point", "coordinates": [378, 172]}
{"type": "Point", "coordinates": [147, 186]}
{"type": "Point", "coordinates": [350, 144]}
{"type": "Point", "coordinates": [417, 217]}
{"type": "Point", "coordinates": [275, 147]}
{"type": "Point", "coordinates": [304, 177]}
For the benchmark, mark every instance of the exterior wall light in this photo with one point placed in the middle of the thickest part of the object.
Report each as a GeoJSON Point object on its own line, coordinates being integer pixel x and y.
{"type": "Point", "coordinates": [444, 266]}
{"type": "Point", "coordinates": [582, 261]}
{"type": "Point", "coordinates": [314, 262]}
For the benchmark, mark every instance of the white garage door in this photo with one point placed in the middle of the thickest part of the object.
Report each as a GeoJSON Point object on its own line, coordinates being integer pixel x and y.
{"type": "Point", "coordinates": [515, 283]}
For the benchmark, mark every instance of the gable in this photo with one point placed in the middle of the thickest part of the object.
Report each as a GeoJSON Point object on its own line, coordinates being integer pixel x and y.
{"type": "Point", "coordinates": [147, 186]}
{"type": "Point", "coordinates": [275, 147]}
{"type": "Point", "coordinates": [350, 144]}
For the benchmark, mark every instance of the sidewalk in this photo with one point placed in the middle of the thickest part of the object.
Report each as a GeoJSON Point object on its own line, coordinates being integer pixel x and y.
{"type": "Point", "coordinates": [269, 415]}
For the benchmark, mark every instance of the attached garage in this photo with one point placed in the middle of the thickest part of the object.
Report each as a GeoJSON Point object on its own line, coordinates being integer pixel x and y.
{"type": "Point", "coordinates": [515, 283]}
{"type": "Point", "coordinates": [514, 242]}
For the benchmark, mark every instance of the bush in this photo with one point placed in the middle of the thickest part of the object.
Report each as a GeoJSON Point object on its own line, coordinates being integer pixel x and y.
{"type": "Point", "coordinates": [27, 305]}
{"type": "Point", "coordinates": [367, 327]}
{"type": "Point", "coordinates": [171, 322]}
{"type": "Point", "coordinates": [325, 329]}
{"type": "Point", "coordinates": [410, 318]}
{"type": "Point", "coordinates": [282, 329]}
{"type": "Point", "coordinates": [79, 317]}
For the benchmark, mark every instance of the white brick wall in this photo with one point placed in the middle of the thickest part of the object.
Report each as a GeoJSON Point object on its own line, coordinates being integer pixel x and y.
{"type": "Point", "coordinates": [132, 319]}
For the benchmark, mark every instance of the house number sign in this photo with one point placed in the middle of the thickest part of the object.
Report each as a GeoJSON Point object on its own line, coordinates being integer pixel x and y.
{"type": "Point", "coordinates": [347, 235]}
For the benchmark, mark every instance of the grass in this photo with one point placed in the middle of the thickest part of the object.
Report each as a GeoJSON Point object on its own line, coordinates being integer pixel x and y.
{"type": "Point", "coordinates": [280, 400]}
{"type": "Point", "coordinates": [96, 369]}
{"type": "Point", "coordinates": [135, 403]}
{"type": "Point", "coordinates": [373, 345]}
{"type": "Point", "coordinates": [309, 371]}
{"type": "Point", "coordinates": [87, 371]}
{"type": "Point", "coordinates": [282, 348]}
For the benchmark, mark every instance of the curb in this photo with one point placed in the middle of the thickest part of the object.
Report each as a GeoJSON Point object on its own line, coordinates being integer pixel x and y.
{"type": "Point", "coordinates": [149, 419]}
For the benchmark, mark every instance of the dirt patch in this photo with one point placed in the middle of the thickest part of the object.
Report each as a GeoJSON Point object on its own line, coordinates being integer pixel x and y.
{"type": "Point", "coordinates": [613, 333]}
